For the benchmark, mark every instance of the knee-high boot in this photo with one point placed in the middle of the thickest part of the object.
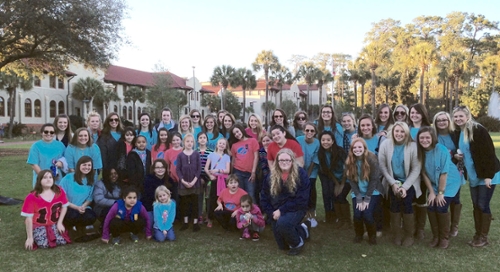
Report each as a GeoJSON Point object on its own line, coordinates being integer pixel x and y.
{"type": "Point", "coordinates": [396, 227]}
{"type": "Point", "coordinates": [358, 230]}
{"type": "Point", "coordinates": [433, 220]}
{"type": "Point", "coordinates": [456, 210]}
{"type": "Point", "coordinates": [345, 217]}
{"type": "Point", "coordinates": [444, 230]}
{"type": "Point", "coordinates": [409, 227]}
{"type": "Point", "coordinates": [477, 226]}
{"type": "Point", "coordinates": [485, 229]}
{"type": "Point", "coordinates": [372, 234]}
{"type": "Point", "coordinates": [420, 218]}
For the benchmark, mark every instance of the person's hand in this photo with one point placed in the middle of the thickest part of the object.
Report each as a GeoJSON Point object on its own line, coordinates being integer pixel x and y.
{"type": "Point", "coordinates": [105, 240]}
{"type": "Point", "coordinates": [458, 157]}
{"type": "Point", "coordinates": [234, 214]}
{"type": "Point", "coordinates": [440, 201]}
{"type": "Point", "coordinates": [431, 198]}
{"type": "Point", "coordinates": [395, 189]}
{"type": "Point", "coordinates": [487, 182]}
{"type": "Point", "coordinates": [252, 177]}
{"type": "Point", "coordinates": [81, 209]}
{"type": "Point", "coordinates": [60, 228]}
{"type": "Point", "coordinates": [165, 232]}
{"type": "Point", "coordinates": [29, 244]}
{"type": "Point", "coordinates": [218, 208]}
{"type": "Point", "coordinates": [402, 192]}
{"type": "Point", "coordinates": [59, 164]}
{"type": "Point", "coordinates": [276, 215]}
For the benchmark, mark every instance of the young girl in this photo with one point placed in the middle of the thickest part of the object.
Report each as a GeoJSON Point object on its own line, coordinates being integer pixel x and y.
{"type": "Point", "coordinates": [197, 121]}
{"type": "Point", "coordinates": [81, 145]}
{"type": "Point", "coordinates": [126, 215]}
{"type": "Point", "coordinates": [204, 152]}
{"type": "Point", "coordinates": [164, 215]}
{"type": "Point", "coordinates": [220, 116]}
{"type": "Point", "coordinates": [63, 129]}
{"type": "Point", "coordinates": [263, 168]}
{"type": "Point", "coordinates": [227, 123]}
{"type": "Point", "coordinates": [94, 123]}
{"type": "Point", "coordinates": [138, 163]}
{"type": "Point", "coordinates": [189, 170]}
{"type": "Point", "coordinates": [255, 128]}
{"type": "Point", "coordinates": [125, 145]}
{"type": "Point", "coordinates": [349, 126]}
{"type": "Point", "coordinates": [161, 146]}
{"type": "Point", "coordinates": [44, 209]}
{"type": "Point", "coordinates": [171, 156]}
{"type": "Point", "coordinates": [283, 139]}
{"type": "Point", "coordinates": [217, 168]}
{"type": "Point", "coordinates": [442, 180]}
{"type": "Point", "coordinates": [245, 158]}
{"type": "Point", "coordinates": [249, 219]}
{"type": "Point", "coordinates": [212, 130]}
{"type": "Point", "coordinates": [310, 146]}
{"type": "Point", "coordinates": [363, 174]}
{"type": "Point", "coordinates": [79, 187]}
{"type": "Point", "coordinates": [228, 203]}
{"type": "Point", "coordinates": [331, 159]}
{"type": "Point", "coordinates": [146, 129]}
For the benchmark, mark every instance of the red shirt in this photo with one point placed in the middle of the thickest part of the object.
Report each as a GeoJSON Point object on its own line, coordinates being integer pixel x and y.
{"type": "Point", "coordinates": [44, 213]}
{"type": "Point", "coordinates": [171, 159]}
{"type": "Point", "coordinates": [231, 202]}
{"type": "Point", "coordinates": [273, 148]}
{"type": "Point", "coordinates": [244, 154]}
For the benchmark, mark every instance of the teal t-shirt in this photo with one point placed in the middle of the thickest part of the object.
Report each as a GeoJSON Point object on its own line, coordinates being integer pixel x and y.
{"type": "Point", "coordinates": [310, 153]}
{"type": "Point", "coordinates": [437, 162]}
{"type": "Point", "coordinates": [45, 154]}
{"type": "Point", "coordinates": [398, 163]}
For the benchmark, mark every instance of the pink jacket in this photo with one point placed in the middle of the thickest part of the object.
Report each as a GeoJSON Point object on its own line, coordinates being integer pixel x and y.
{"type": "Point", "coordinates": [257, 218]}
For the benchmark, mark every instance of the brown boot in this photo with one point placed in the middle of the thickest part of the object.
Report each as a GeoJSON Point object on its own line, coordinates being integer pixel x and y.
{"type": "Point", "coordinates": [433, 220]}
{"type": "Point", "coordinates": [372, 234]}
{"type": "Point", "coordinates": [444, 231]}
{"type": "Point", "coordinates": [396, 227]}
{"type": "Point", "coordinates": [420, 218]}
{"type": "Point", "coordinates": [456, 210]}
{"type": "Point", "coordinates": [330, 217]}
{"type": "Point", "coordinates": [338, 215]}
{"type": "Point", "coordinates": [409, 228]}
{"type": "Point", "coordinates": [358, 231]}
{"type": "Point", "coordinates": [477, 226]}
{"type": "Point", "coordinates": [485, 229]}
{"type": "Point", "coordinates": [345, 216]}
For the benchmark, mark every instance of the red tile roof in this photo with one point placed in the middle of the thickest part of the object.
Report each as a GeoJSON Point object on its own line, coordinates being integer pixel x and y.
{"type": "Point", "coordinates": [129, 76]}
{"type": "Point", "coordinates": [303, 87]}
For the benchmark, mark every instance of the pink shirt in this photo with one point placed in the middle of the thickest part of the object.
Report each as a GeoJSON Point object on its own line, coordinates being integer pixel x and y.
{"type": "Point", "coordinates": [244, 154]}
{"type": "Point", "coordinates": [273, 148]}
{"type": "Point", "coordinates": [171, 159]}
{"type": "Point", "coordinates": [231, 202]}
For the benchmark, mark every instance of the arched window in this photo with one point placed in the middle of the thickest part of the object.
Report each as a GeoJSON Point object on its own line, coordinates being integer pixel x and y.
{"type": "Point", "coordinates": [115, 108]}
{"type": "Point", "coordinates": [124, 114]}
{"type": "Point", "coordinates": [60, 108]}
{"type": "Point", "coordinates": [138, 111]}
{"type": "Point", "coordinates": [130, 112]}
{"type": "Point", "coordinates": [28, 110]}
{"type": "Point", "coordinates": [2, 106]}
{"type": "Point", "coordinates": [53, 109]}
{"type": "Point", "coordinates": [38, 108]}
{"type": "Point", "coordinates": [8, 107]}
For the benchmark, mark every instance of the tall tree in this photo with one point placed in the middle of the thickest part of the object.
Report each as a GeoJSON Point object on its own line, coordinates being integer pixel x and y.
{"type": "Point", "coordinates": [223, 76]}
{"type": "Point", "coordinates": [10, 82]}
{"type": "Point", "coordinates": [134, 94]}
{"type": "Point", "coordinates": [246, 79]}
{"type": "Point", "coordinates": [309, 73]}
{"type": "Point", "coordinates": [374, 54]}
{"type": "Point", "coordinates": [267, 62]}
{"type": "Point", "coordinates": [105, 98]}
{"type": "Point", "coordinates": [85, 90]}
{"type": "Point", "coordinates": [289, 107]}
{"type": "Point", "coordinates": [422, 55]}
{"type": "Point", "coordinates": [324, 77]}
{"type": "Point", "coordinates": [279, 77]}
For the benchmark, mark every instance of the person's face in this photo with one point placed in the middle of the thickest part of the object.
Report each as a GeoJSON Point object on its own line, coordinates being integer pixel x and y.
{"type": "Point", "coordinates": [202, 139]}
{"type": "Point", "coordinates": [221, 145]}
{"type": "Point", "coordinates": [166, 116]}
{"type": "Point", "coordinates": [399, 134]}
{"type": "Point", "coordinates": [185, 124]}
{"type": "Point", "coordinates": [358, 149]}
{"type": "Point", "coordinates": [189, 143]}
{"type": "Point", "coordinates": [145, 121]}
{"type": "Point", "coordinates": [114, 121]}
{"type": "Point", "coordinates": [285, 162]}
{"type": "Point", "coordinates": [326, 114]}
{"type": "Point", "coordinates": [301, 119]}
{"type": "Point", "coordinates": [232, 185]}
{"type": "Point", "coordinates": [278, 117]}
{"type": "Point", "coordinates": [415, 116]}
{"type": "Point", "coordinates": [48, 134]}
{"type": "Point", "coordinates": [140, 143]}
{"type": "Point", "coordinates": [85, 168]}
{"type": "Point", "coordinates": [163, 197]}
{"type": "Point", "coordinates": [400, 114]}
{"type": "Point", "coordinates": [425, 140]}
{"type": "Point", "coordinates": [47, 180]}
{"type": "Point", "coordinates": [326, 141]}
{"type": "Point", "coordinates": [460, 118]}
{"type": "Point", "coordinates": [266, 141]}
{"type": "Point", "coordinates": [113, 175]}
{"type": "Point", "coordinates": [309, 131]}
{"type": "Point", "coordinates": [228, 123]}
{"type": "Point", "coordinates": [383, 115]}
{"type": "Point", "coordinates": [209, 124]}
{"type": "Point", "coordinates": [159, 170]}
{"type": "Point", "coordinates": [196, 117]}
{"type": "Point", "coordinates": [176, 142]}
{"type": "Point", "coordinates": [221, 116]}
{"type": "Point", "coordinates": [83, 137]}
{"type": "Point", "coordinates": [129, 136]}
{"type": "Point", "coordinates": [94, 123]}
{"type": "Point", "coordinates": [237, 133]}
{"type": "Point", "coordinates": [366, 128]}
{"type": "Point", "coordinates": [278, 136]}
{"type": "Point", "coordinates": [62, 124]}
{"type": "Point", "coordinates": [442, 122]}
{"type": "Point", "coordinates": [347, 123]}
{"type": "Point", "coordinates": [131, 199]}
{"type": "Point", "coordinates": [252, 122]}
{"type": "Point", "coordinates": [163, 136]}
{"type": "Point", "coordinates": [245, 206]}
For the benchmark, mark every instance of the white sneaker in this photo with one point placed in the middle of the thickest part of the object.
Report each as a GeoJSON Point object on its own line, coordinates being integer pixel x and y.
{"type": "Point", "coordinates": [313, 221]}
{"type": "Point", "coordinates": [379, 234]}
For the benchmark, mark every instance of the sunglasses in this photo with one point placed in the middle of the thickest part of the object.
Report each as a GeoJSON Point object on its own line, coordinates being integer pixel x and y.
{"type": "Point", "coordinates": [400, 113]}
{"type": "Point", "coordinates": [114, 119]}
{"type": "Point", "coordinates": [309, 130]}
{"type": "Point", "coordinates": [195, 116]}
{"type": "Point", "coordinates": [301, 118]}
{"type": "Point", "coordinates": [278, 116]}
{"type": "Point", "coordinates": [51, 132]}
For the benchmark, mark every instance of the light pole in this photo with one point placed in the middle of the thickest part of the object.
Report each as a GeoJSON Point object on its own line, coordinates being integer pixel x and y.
{"type": "Point", "coordinates": [194, 90]}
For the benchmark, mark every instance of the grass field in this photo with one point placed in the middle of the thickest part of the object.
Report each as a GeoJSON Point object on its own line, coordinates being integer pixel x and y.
{"type": "Point", "coordinates": [216, 250]}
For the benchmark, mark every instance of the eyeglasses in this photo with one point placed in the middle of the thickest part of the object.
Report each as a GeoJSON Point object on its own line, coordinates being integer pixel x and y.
{"type": "Point", "coordinates": [400, 113]}
{"type": "Point", "coordinates": [441, 120]}
{"type": "Point", "coordinates": [283, 161]}
{"type": "Point", "coordinates": [195, 116]}
{"type": "Point", "coordinates": [51, 132]}
{"type": "Point", "coordinates": [309, 130]}
{"type": "Point", "coordinates": [114, 120]}
{"type": "Point", "coordinates": [278, 116]}
{"type": "Point", "coordinates": [301, 118]}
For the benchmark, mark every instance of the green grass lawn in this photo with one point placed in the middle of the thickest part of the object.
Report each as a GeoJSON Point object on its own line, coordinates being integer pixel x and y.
{"type": "Point", "coordinates": [216, 250]}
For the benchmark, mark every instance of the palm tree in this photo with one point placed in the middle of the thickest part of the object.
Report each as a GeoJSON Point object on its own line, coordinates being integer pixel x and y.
{"type": "Point", "coordinates": [246, 79]}
{"type": "Point", "coordinates": [266, 61]}
{"type": "Point", "coordinates": [10, 82]}
{"type": "Point", "coordinates": [223, 76]}
{"type": "Point", "coordinates": [490, 66]}
{"type": "Point", "coordinates": [457, 63]}
{"type": "Point", "coordinates": [85, 90]}
{"type": "Point", "coordinates": [363, 76]}
{"type": "Point", "coordinates": [280, 77]}
{"type": "Point", "coordinates": [324, 77]}
{"type": "Point", "coordinates": [422, 55]}
{"type": "Point", "coordinates": [105, 98]}
{"type": "Point", "coordinates": [134, 94]}
{"type": "Point", "coordinates": [269, 105]}
{"type": "Point", "coordinates": [309, 73]}
{"type": "Point", "coordinates": [388, 78]}
{"type": "Point", "coordinates": [374, 54]}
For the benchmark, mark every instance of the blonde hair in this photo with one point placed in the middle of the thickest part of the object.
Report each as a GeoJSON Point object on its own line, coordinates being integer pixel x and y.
{"type": "Point", "coordinates": [469, 124]}
{"type": "Point", "coordinates": [162, 188]}
{"type": "Point", "coordinates": [189, 135]}
{"type": "Point", "coordinates": [451, 125]}
{"type": "Point", "coordinates": [260, 128]}
{"type": "Point", "coordinates": [276, 174]}
{"type": "Point", "coordinates": [351, 166]}
{"type": "Point", "coordinates": [93, 114]}
{"type": "Point", "coordinates": [226, 150]}
{"type": "Point", "coordinates": [406, 129]}
{"type": "Point", "coordinates": [190, 129]}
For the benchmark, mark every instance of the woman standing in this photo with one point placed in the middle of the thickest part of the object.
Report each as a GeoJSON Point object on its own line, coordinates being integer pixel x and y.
{"type": "Point", "coordinates": [255, 128]}
{"type": "Point", "coordinates": [279, 118]}
{"type": "Point", "coordinates": [384, 119]}
{"type": "Point", "coordinates": [108, 141]}
{"type": "Point", "coordinates": [186, 125]}
{"type": "Point", "coordinates": [166, 121]}
{"type": "Point", "coordinates": [328, 122]}
{"type": "Point", "coordinates": [349, 126]}
{"type": "Point", "coordinates": [228, 122]}
{"type": "Point", "coordinates": [285, 197]}
{"type": "Point", "coordinates": [399, 164]}
{"type": "Point", "coordinates": [94, 122]}
{"type": "Point", "coordinates": [81, 145]}
{"type": "Point", "coordinates": [197, 121]}
{"type": "Point", "coordinates": [299, 122]}
{"type": "Point", "coordinates": [400, 113]}
{"type": "Point", "coordinates": [146, 129]}
{"type": "Point", "coordinates": [63, 129]}
{"type": "Point", "coordinates": [210, 127]}
{"type": "Point", "coordinates": [482, 167]}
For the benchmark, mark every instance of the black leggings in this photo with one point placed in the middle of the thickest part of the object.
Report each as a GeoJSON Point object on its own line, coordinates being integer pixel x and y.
{"type": "Point", "coordinates": [189, 205]}
{"type": "Point", "coordinates": [118, 226]}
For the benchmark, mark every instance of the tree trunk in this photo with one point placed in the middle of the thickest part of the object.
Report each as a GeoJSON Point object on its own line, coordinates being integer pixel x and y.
{"type": "Point", "coordinates": [374, 86]}
{"type": "Point", "coordinates": [355, 96]}
{"type": "Point", "coordinates": [456, 91]}
{"type": "Point", "coordinates": [281, 95]}
{"type": "Point", "coordinates": [320, 89]}
{"type": "Point", "coordinates": [444, 95]}
{"type": "Point", "coordinates": [450, 95]}
{"type": "Point", "coordinates": [362, 99]}
{"type": "Point", "coordinates": [387, 94]}
{"type": "Point", "coordinates": [266, 77]}
{"type": "Point", "coordinates": [244, 104]}
{"type": "Point", "coordinates": [133, 112]}
{"type": "Point", "coordinates": [12, 101]}
{"type": "Point", "coordinates": [422, 92]}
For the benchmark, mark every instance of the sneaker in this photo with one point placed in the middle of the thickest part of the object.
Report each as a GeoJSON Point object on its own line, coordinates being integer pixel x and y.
{"type": "Point", "coordinates": [379, 234]}
{"type": "Point", "coordinates": [307, 227]}
{"type": "Point", "coordinates": [313, 221]}
{"type": "Point", "coordinates": [116, 240]}
{"type": "Point", "coordinates": [134, 238]}
{"type": "Point", "coordinates": [295, 250]}
{"type": "Point", "coordinates": [200, 220]}
{"type": "Point", "coordinates": [196, 227]}
{"type": "Point", "coordinates": [245, 235]}
{"type": "Point", "coordinates": [255, 236]}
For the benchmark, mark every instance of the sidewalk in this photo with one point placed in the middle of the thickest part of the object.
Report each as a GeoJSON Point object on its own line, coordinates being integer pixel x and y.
{"type": "Point", "coordinates": [2, 143]}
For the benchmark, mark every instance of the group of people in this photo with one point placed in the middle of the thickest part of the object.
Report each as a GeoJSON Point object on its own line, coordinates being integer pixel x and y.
{"type": "Point", "coordinates": [398, 167]}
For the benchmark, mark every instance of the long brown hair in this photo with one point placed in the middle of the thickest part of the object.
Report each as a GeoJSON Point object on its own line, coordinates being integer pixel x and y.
{"type": "Point", "coordinates": [38, 185]}
{"type": "Point", "coordinates": [276, 174]}
{"type": "Point", "coordinates": [79, 175]}
{"type": "Point", "coordinates": [67, 132]}
{"type": "Point", "coordinates": [351, 166]}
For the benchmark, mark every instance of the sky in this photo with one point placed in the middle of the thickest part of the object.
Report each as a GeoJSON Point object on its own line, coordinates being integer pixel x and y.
{"type": "Point", "coordinates": [178, 35]}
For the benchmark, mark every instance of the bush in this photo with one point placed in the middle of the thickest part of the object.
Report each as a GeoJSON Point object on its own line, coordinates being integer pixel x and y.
{"type": "Point", "coordinates": [492, 124]}
{"type": "Point", "coordinates": [76, 122]}
{"type": "Point", "coordinates": [18, 129]}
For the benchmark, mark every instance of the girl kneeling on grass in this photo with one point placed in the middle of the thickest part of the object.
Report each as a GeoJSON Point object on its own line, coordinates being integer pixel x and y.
{"type": "Point", "coordinates": [249, 218]}
{"type": "Point", "coordinates": [126, 215]}
{"type": "Point", "coordinates": [229, 202]}
{"type": "Point", "coordinates": [44, 209]}
{"type": "Point", "coordinates": [164, 215]}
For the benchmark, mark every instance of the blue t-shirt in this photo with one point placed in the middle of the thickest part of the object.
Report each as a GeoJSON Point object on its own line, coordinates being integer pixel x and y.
{"type": "Point", "coordinates": [398, 163]}
{"type": "Point", "coordinates": [338, 171]}
{"type": "Point", "coordinates": [437, 162]}
{"type": "Point", "coordinates": [150, 138]}
{"type": "Point", "coordinates": [413, 133]}
{"type": "Point", "coordinates": [116, 135]}
{"type": "Point", "coordinates": [363, 184]}
{"type": "Point", "coordinates": [212, 143]}
{"type": "Point", "coordinates": [310, 153]}
{"type": "Point", "coordinates": [339, 133]}
{"type": "Point", "coordinates": [447, 142]}
{"type": "Point", "coordinates": [372, 144]}
{"type": "Point", "coordinates": [73, 154]}
{"type": "Point", "coordinates": [380, 128]}
{"type": "Point", "coordinates": [77, 194]}
{"type": "Point", "coordinates": [474, 180]}
{"type": "Point", "coordinates": [164, 215]}
{"type": "Point", "coordinates": [45, 154]}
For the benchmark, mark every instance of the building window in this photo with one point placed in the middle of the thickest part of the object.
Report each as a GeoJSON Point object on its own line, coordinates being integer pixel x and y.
{"type": "Point", "coordinates": [130, 112]}
{"type": "Point", "coordinates": [53, 109]}
{"type": "Point", "coordinates": [60, 108]}
{"type": "Point", "coordinates": [27, 108]}
{"type": "Point", "coordinates": [192, 95]}
{"type": "Point", "coordinates": [37, 82]}
{"type": "Point", "coordinates": [139, 112]}
{"type": "Point", "coordinates": [197, 96]}
{"type": "Point", "coordinates": [38, 108]}
{"type": "Point", "coordinates": [124, 113]}
{"type": "Point", "coordinates": [52, 82]}
{"type": "Point", "coordinates": [8, 107]}
{"type": "Point", "coordinates": [2, 106]}
{"type": "Point", "coordinates": [60, 83]}
{"type": "Point", "coordinates": [115, 108]}
{"type": "Point", "coordinates": [78, 111]}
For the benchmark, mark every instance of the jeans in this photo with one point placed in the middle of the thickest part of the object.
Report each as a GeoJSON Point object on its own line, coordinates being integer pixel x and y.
{"type": "Point", "coordinates": [287, 229]}
{"type": "Point", "coordinates": [367, 214]}
{"type": "Point", "coordinates": [75, 218]}
{"type": "Point", "coordinates": [160, 237]}
{"type": "Point", "coordinates": [245, 183]}
{"type": "Point", "coordinates": [444, 209]}
{"type": "Point", "coordinates": [456, 199]}
{"type": "Point", "coordinates": [313, 196]}
{"type": "Point", "coordinates": [151, 220]}
{"type": "Point", "coordinates": [118, 226]}
{"type": "Point", "coordinates": [402, 204]}
{"type": "Point", "coordinates": [481, 197]}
